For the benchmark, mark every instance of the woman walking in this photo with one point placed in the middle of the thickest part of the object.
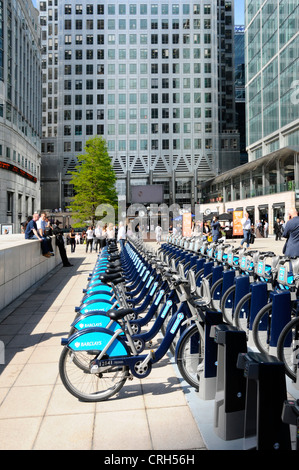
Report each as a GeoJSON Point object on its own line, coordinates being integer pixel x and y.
{"type": "Point", "coordinates": [72, 236]}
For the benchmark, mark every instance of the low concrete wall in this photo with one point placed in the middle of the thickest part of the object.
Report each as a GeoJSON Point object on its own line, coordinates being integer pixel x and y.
{"type": "Point", "coordinates": [22, 265]}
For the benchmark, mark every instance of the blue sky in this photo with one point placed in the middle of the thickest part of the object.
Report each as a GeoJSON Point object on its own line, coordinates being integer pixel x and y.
{"type": "Point", "coordinates": [239, 12]}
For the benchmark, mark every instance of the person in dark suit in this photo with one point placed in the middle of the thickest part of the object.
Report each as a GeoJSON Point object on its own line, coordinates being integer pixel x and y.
{"type": "Point", "coordinates": [277, 230]}
{"type": "Point", "coordinates": [215, 229]}
{"type": "Point", "coordinates": [60, 244]}
{"type": "Point", "coordinates": [291, 233]}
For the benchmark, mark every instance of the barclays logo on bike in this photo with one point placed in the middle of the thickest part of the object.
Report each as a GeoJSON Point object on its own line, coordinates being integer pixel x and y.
{"type": "Point", "coordinates": [177, 322]}
{"type": "Point", "coordinates": [90, 325]}
{"type": "Point", "coordinates": [87, 344]}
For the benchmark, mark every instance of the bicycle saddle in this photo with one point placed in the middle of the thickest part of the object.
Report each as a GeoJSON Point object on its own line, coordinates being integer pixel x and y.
{"type": "Point", "coordinates": [113, 270]}
{"type": "Point", "coordinates": [119, 313]}
{"type": "Point", "coordinates": [115, 264]}
{"type": "Point", "coordinates": [114, 278]}
{"type": "Point", "coordinates": [113, 257]}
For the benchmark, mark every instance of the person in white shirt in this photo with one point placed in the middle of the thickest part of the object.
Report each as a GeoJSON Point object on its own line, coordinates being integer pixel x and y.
{"type": "Point", "coordinates": [98, 235]}
{"type": "Point", "coordinates": [158, 231]}
{"type": "Point", "coordinates": [246, 225]}
{"type": "Point", "coordinates": [121, 234]}
{"type": "Point", "coordinates": [110, 232]}
{"type": "Point", "coordinates": [89, 238]}
{"type": "Point", "coordinates": [266, 226]}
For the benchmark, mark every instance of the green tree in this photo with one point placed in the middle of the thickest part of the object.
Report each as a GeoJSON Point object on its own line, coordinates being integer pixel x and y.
{"type": "Point", "coordinates": [93, 180]}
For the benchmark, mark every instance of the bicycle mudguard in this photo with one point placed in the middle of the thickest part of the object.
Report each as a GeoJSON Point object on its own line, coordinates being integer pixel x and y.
{"type": "Point", "coordinates": [96, 296]}
{"type": "Point", "coordinates": [99, 288]}
{"type": "Point", "coordinates": [96, 339]}
{"type": "Point", "coordinates": [95, 320]}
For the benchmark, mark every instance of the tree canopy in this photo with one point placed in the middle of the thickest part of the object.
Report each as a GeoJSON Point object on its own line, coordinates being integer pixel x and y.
{"type": "Point", "coordinates": [93, 180]}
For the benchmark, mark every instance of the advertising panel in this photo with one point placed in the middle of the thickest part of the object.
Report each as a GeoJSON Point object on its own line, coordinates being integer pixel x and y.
{"type": "Point", "coordinates": [237, 225]}
{"type": "Point", "coordinates": [187, 224]}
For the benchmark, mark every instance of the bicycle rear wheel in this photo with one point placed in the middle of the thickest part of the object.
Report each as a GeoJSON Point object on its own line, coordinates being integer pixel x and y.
{"type": "Point", "coordinates": [241, 314]}
{"type": "Point", "coordinates": [216, 292]}
{"type": "Point", "coordinates": [261, 328]}
{"type": "Point", "coordinates": [227, 304]}
{"type": "Point", "coordinates": [288, 347]}
{"type": "Point", "coordinates": [190, 356]}
{"type": "Point", "coordinates": [84, 385]}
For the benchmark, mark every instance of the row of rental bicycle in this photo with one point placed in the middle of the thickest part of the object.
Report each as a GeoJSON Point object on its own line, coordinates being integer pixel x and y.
{"type": "Point", "coordinates": [207, 301]}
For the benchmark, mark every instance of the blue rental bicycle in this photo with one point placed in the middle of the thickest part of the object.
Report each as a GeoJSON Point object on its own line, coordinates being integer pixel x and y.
{"type": "Point", "coordinates": [96, 362]}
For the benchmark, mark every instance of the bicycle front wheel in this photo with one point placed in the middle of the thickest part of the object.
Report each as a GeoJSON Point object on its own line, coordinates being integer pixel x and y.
{"type": "Point", "coordinates": [84, 385]}
{"type": "Point", "coordinates": [288, 348]}
{"type": "Point", "coordinates": [190, 356]}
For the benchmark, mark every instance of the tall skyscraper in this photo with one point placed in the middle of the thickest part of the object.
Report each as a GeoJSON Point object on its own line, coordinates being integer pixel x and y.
{"type": "Point", "coordinates": [154, 78]}
{"type": "Point", "coordinates": [240, 89]}
{"type": "Point", "coordinates": [272, 86]}
{"type": "Point", "coordinates": [20, 111]}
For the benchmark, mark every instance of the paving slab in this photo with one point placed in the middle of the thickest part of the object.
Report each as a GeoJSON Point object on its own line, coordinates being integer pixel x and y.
{"type": "Point", "coordinates": [37, 412]}
{"type": "Point", "coordinates": [157, 413]}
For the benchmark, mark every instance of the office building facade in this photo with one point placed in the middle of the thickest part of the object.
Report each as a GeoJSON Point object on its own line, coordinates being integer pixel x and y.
{"type": "Point", "coordinates": [272, 87]}
{"type": "Point", "coordinates": [268, 185]}
{"type": "Point", "coordinates": [20, 112]}
{"type": "Point", "coordinates": [154, 78]}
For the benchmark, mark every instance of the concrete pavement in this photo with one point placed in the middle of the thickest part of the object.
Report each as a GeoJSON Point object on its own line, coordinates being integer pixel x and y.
{"type": "Point", "coordinates": [36, 412]}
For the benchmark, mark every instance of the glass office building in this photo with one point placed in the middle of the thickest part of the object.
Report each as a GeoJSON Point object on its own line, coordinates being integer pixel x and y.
{"type": "Point", "coordinates": [154, 78]}
{"type": "Point", "coordinates": [20, 111]}
{"type": "Point", "coordinates": [240, 89]}
{"type": "Point", "coordinates": [272, 86]}
{"type": "Point", "coordinates": [268, 185]}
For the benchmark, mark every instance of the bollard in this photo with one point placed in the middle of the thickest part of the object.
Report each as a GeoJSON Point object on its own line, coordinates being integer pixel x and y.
{"type": "Point", "coordinates": [290, 415]}
{"type": "Point", "coordinates": [230, 383]}
{"type": "Point", "coordinates": [207, 382]}
{"type": "Point", "coordinates": [265, 395]}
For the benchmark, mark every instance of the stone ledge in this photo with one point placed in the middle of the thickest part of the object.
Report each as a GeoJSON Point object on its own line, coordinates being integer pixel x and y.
{"type": "Point", "coordinates": [22, 266]}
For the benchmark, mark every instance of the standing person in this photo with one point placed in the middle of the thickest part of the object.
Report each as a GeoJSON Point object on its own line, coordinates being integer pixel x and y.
{"type": "Point", "coordinates": [104, 236]}
{"type": "Point", "coordinates": [137, 230]}
{"type": "Point", "coordinates": [259, 228]}
{"type": "Point", "coordinates": [98, 235]}
{"type": "Point", "coordinates": [72, 236]}
{"type": "Point", "coordinates": [77, 238]}
{"type": "Point", "coordinates": [266, 227]}
{"type": "Point", "coordinates": [291, 233]}
{"type": "Point", "coordinates": [60, 244]}
{"type": "Point", "coordinates": [121, 234]}
{"type": "Point", "coordinates": [110, 232]}
{"type": "Point", "coordinates": [89, 239]}
{"type": "Point", "coordinates": [158, 231]}
{"type": "Point", "coordinates": [215, 225]}
{"type": "Point", "coordinates": [246, 225]}
{"type": "Point", "coordinates": [277, 229]}
{"type": "Point", "coordinates": [205, 230]}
